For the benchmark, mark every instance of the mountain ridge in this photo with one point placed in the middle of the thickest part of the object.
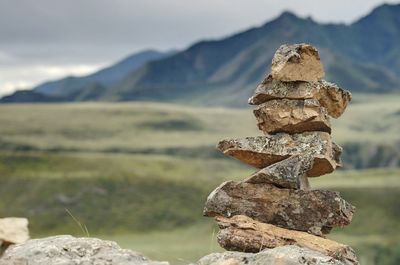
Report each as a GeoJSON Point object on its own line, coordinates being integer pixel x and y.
{"type": "Point", "coordinates": [363, 56]}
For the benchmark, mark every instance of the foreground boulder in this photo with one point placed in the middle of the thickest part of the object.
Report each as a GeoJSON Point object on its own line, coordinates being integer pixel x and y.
{"type": "Point", "coordinates": [13, 230]}
{"type": "Point", "coordinates": [286, 255]}
{"type": "Point", "coordinates": [292, 116]}
{"type": "Point", "coordinates": [241, 233]}
{"type": "Point", "coordinates": [314, 211]}
{"type": "Point", "coordinates": [262, 151]}
{"type": "Point", "coordinates": [68, 250]}
{"type": "Point", "coordinates": [333, 98]}
{"type": "Point", "coordinates": [297, 62]}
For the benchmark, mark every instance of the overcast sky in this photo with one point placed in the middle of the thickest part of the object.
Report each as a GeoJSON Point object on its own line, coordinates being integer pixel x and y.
{"type": "Point", "coordinates": [48, 39]}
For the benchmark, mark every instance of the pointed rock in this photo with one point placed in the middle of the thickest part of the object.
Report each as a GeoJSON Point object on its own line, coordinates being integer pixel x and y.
{"type": "Point", "coordinates": [241, 233]}
{"type": "Point", "coordinates": [289, 173]}
{"type": "Point", "coordinates": [315, 211]}
{"type": "Point", "coordinates": [262, 151]}
{"type": "Point", "coordinates": [333, 98]}
{"type": "Point", "coordinates": [297, 62]}
{"type": "Point", "coordinates": [292, 116]}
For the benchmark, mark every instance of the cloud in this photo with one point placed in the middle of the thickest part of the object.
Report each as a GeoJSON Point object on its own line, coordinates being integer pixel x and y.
{"type": "Point", "coordinates": [26, 76]}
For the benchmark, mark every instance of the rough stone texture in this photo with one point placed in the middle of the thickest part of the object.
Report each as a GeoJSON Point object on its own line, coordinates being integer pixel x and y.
{"type": "Point", "coordinates": [286, 255]}
{"type": "Point", "coordinates": [315, 211]}
{"type": "Point", "coordinates": [292, 116]}
{"type": "Point", "coordinates": [68, 250]}
{"type": "Point", "coordinates": [289, 173]}
{"type": "Point", "coordinates": [297, 62]}
{"type": "Point", "coordinates": [333, 98]}
{"type": "Point", "coordinates": [262, 151]}
{"type": "Point", "coordinates": [14, 230]}
{"type": "Point", "coordinates": [241, 233]}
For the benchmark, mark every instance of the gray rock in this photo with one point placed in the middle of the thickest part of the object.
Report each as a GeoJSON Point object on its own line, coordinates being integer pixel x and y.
{"type": "Point", "coordinates": [68, 250]}
{"type": "Point", "coordinates": [289, 173]}
{"type": "Point", "coordinates": [262, 151]}
{"type": "Point", "coordinates": [292, 116]}
{"type": "Point", "coordinates": [297, 62]}
{"type": "Point", "coordinates": [286, 255]}
{"type": "Point", "coordinates": [333, 98]}
{"type": "Point", "coordinates": [314, 211]}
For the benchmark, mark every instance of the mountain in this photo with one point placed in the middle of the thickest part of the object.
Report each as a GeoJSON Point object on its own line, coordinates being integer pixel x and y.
{"type": "Point", "coordinates": [86, 87]}
{"type": "Point", "coordinates": [362, 57]}
{"type": "Point", "coordinates": [29, 96]}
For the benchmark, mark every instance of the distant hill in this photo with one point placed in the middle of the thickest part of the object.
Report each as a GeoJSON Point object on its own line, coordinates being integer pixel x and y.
{"type": "Point", "coordinates": [362, 57]}
{"type": "Point", "coordinates": [88, 87]}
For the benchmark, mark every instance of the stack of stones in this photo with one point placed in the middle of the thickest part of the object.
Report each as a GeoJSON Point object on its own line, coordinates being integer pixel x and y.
{"type": "Point", "coordinates": [275, 206]}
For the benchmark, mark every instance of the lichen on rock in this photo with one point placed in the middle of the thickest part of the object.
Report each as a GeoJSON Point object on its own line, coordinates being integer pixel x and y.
{"type": "Point", "coordinates": [68, 250]}
{"type": "Point", "coordinates": [297, 62]}
{"type": "Point", "coordinates": [314, 211]}
{"type": "Point", "coordinates": [262, 151]}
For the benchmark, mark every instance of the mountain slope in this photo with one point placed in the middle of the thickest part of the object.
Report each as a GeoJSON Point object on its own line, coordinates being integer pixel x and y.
{"type": "Point", "coordinates": [362, 57]}
{"type": "Point", "coordinates": [226, 71]}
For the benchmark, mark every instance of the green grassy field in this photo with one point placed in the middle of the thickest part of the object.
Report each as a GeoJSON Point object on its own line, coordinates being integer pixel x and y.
{"type": "Point", "coordinates": [139, 173]}
{"type": "Point", "coordinates": [142, 126]}
{"type": "Point", "coordinates": [153, 203]}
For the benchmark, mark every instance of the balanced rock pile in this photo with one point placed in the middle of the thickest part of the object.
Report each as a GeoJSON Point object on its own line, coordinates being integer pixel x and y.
{"type": "Point", "coordinates": [275, 207]}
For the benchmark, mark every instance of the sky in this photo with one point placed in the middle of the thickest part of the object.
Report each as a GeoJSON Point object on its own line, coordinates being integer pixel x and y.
{"type": "Point", "coordinates": [43, 40]}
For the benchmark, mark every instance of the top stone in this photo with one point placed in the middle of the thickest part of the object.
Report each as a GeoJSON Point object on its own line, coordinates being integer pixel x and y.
{"type": "Point", "coordinates": [297, 62]}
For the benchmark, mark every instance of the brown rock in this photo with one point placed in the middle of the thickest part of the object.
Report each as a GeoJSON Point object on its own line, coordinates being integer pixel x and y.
{"type": "Point", "coordinates": [241, 233]}
{"type": "Point", "coordinates": [262, 151]}
{"type": "Point", "coordinates": [14, 230]}
{"type": "Point", "coordinates": [297, 62]}
{"type": "Point", "coordinates": [292, 116]}
{"type": "Point", "coordinates": [333, 98]}
{"type": "Point", "coordinates": [315, 211]}
{"type": "Point", "coordinates": [289, 173]}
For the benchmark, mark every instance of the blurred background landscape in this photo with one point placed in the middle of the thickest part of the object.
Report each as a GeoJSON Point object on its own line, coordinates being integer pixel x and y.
{"type": "Point", "coordinates": [127, 147]}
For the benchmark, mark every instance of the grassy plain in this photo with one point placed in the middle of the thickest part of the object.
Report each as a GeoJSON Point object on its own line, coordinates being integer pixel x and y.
{"type": "Point", "coordinates": [153, 203]}
{"type": "Point", "coordinates": [136, 127]}
{"type": "Point", "coordinates": [139, 173]}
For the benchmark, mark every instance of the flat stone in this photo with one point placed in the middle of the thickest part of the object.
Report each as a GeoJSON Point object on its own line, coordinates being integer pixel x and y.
{"type": "Point", "coordinates": [241, 233]}
{"type": "Point", "coordinates": [68, 250]}
{"type": "Point", "coordinates": [297, 62]}
{"type": "Point", "coordinates": [289, 173]}
{"type": "Point", "coordinates": [315, 211]}
{"type": "Point", "coordinates": [292, 116]}
{"type": "Point", "coordinates": [333, 98]}
{"type": "Point", "coordinates": [262, 151]}
{"type": "Point", "coordinates": [14, 230]}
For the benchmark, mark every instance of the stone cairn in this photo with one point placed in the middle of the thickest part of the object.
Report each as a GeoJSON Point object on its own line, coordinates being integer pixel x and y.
{"type": "Point", "coordinates": [275, 206]}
